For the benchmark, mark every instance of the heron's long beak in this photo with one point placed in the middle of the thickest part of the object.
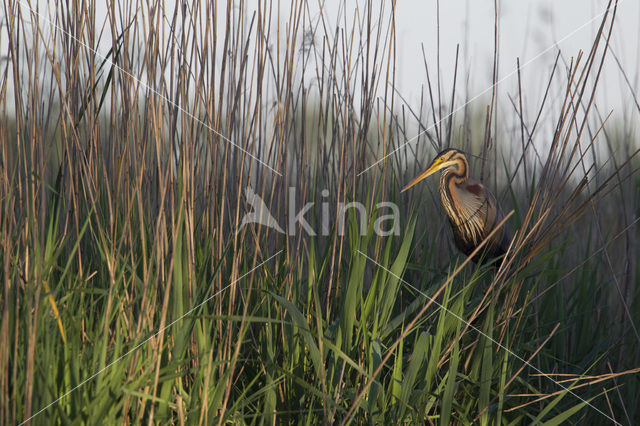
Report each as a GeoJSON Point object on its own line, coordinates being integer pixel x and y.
{"type": "Point", "coordinates": [431, 170]}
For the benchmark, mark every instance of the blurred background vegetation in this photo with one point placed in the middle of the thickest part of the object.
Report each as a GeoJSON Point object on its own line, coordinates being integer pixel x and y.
{"type": "Point", "coordinates": [129, 293]}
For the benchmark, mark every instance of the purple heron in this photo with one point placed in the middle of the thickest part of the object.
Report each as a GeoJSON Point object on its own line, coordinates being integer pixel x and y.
{"type": "Point", "coordinates": [472, 210]}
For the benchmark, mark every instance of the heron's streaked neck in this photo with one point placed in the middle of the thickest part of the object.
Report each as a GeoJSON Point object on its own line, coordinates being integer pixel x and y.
{"type": "Point", "coordinates": [457, 174]}
{"type": "Point", "coordinates": [449, 179]}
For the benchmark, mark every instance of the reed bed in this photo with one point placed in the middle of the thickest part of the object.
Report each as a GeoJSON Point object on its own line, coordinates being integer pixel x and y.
{"type": "Point", "coordinates": [133, 293]}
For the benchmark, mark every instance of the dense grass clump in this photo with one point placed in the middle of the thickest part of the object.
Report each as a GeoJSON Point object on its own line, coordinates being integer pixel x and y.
{"type": "Point", "coordinates": [133, 292]}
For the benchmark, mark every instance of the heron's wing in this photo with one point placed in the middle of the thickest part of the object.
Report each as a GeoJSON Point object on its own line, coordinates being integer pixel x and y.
{"type": "Point", "coordinates": [477, 198]}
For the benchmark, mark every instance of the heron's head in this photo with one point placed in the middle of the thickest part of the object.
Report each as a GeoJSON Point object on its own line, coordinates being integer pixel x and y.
{"type": "Point", "coordinates": [448, 158]}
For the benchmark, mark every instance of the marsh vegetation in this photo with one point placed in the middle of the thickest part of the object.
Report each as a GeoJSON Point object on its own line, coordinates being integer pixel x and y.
{"type": "Point", "coordinates": [131, 294]}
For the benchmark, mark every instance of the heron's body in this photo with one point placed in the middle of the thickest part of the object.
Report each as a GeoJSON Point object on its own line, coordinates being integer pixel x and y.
{"type": "Point", "coordinates": [472, 210]}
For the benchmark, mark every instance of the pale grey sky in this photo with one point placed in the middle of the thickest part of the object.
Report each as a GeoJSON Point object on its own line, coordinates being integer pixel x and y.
{"type": "Point", "coordinates": [527, 28]}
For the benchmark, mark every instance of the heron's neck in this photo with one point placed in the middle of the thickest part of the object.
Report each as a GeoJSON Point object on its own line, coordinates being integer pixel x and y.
{"type": "Point", "coordinates": [454, 176]}
{"type": "Point", "coordinates": [449, 180]}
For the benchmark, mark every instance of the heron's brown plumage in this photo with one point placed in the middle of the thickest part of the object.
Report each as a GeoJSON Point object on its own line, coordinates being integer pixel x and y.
{"type": "Point", "coordinates": [472, 210]}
